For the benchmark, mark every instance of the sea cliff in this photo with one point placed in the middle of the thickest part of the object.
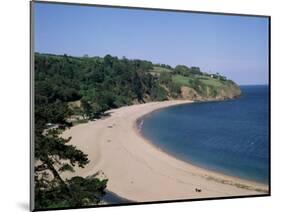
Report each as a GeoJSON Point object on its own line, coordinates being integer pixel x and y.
{"type": "Point", "coordinates": [229, 91]}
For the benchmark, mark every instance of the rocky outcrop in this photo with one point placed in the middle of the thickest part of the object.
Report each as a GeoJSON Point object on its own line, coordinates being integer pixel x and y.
{"type": "Point", "coordinates": [228, 91]}
{"type": "Point", "coordinates": [189, 93]}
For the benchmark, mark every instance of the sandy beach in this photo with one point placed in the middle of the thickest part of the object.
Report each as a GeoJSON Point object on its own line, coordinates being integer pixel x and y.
{"type": "Point", "coordinates": [138, 170]}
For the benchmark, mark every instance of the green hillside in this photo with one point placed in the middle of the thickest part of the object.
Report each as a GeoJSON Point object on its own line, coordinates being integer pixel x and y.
{"type": "Point", "coordinates": [100, 84]}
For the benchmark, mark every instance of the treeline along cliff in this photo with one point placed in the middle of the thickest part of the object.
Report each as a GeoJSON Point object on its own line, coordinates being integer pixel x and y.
{"type": "Point", "coordinates": [92, 85]}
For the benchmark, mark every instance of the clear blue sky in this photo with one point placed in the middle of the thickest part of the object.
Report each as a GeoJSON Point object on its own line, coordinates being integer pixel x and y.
{"type": "Point", "coordinates": [235, 46]}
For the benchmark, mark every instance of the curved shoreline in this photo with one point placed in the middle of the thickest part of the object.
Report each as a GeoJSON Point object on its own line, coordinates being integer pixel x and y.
{"type": "Point", "coordinates": [230, 177]}
{"type": "Point", "coordinates": [140, 171]}
{"type": "Point", "coordinates": [212, 175]}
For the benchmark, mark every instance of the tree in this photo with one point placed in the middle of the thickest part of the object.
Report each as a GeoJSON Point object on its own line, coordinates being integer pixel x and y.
{"type": "Point", "coordinates": [158, 93]}
{"type": "Point", "coordinates": [182, 70]}
{"type": "Point", "coordinates": [86, 105]}
{"type": "Point", "coordinates": [54, 156]}
{"type": "Point", "coordinates": [195, 70]}
{"type": "Point", "coordinates": [137, 87]}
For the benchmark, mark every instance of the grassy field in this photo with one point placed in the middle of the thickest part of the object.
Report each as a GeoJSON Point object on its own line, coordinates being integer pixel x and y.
{"type": "Point", "coordinates": [212, 82]}
{"type": "Point", "coordinates": [157, 69]}
{"type": "Point", "coordinates": [182, 80]}
{"type": "Point", "coordinates": [187, 81]}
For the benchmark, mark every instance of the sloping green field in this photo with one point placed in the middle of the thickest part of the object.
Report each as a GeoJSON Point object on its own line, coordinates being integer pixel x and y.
{"type": "Point", "coordinates": [158, 69]}
{"type": "Point", "coordinates": [187, 81]}
{"type": "Point", "coordinates": [182, 80]}
{"type": "Point", "coordinates": [212, 82]}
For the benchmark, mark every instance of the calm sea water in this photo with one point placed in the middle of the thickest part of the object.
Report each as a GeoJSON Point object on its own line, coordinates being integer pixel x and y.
{"type": "Point", "coordinates": [112, 198]}
{"type": "Point", "coordinates": [231, 137]}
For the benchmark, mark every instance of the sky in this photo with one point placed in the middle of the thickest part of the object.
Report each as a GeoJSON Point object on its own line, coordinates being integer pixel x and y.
{"type": "Point", "coordinates": [234, 46]}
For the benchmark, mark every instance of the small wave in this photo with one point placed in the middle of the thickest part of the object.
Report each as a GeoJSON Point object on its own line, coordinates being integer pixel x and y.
{"type": "Point", "coordinates": [139, 124]}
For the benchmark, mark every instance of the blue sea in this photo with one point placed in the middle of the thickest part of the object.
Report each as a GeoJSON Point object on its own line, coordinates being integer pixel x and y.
{"type": "Point", "coordinates": [230, 137]}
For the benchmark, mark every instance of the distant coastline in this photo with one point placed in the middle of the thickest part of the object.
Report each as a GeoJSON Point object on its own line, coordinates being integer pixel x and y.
{"type": "Point", "coordinates": [137, 169]}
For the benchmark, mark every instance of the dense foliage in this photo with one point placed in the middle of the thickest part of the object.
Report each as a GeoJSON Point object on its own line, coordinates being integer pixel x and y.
{"type": "Point", "coordinates": [100, 83]}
